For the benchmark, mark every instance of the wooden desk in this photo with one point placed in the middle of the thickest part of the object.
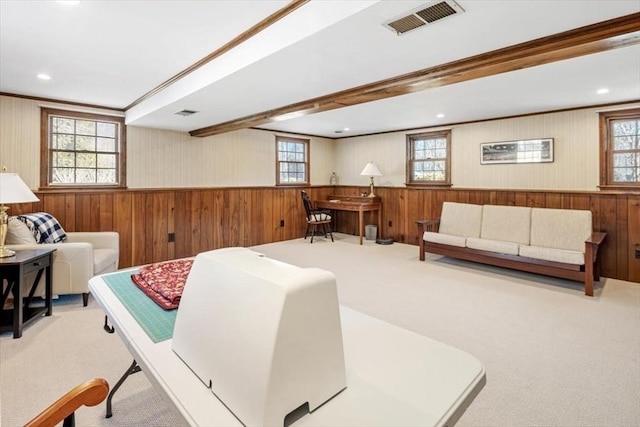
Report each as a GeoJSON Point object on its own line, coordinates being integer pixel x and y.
{"type": "Point", "coordinates": [353, 204]}
{"type": "Point", "coordinates": [15, 270]}
{"type": "Point", "coordinates": [394, 376]}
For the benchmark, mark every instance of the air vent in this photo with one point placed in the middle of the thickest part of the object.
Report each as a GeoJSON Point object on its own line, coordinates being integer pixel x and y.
{"type": "Point", "coordinates": [185, 112]}
{"type": "Point", "coordinates": [423, 15]}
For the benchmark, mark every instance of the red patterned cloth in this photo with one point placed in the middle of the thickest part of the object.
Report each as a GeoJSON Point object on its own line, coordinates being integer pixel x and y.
{"type": "Point", "coordinates": [164, 282]}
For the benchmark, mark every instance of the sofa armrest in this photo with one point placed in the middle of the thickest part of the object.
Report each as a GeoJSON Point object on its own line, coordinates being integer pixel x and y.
{"type": "Point", "coordinates": [596, 238]}
{"type": "Point", "coordinates": [592, 246]}
{"type": "Point", "coordinates": [98, 239]}
{"type": "Point", "coordinates": [428, 225]}
{"type": "Point", "coordinates": [72, 265]}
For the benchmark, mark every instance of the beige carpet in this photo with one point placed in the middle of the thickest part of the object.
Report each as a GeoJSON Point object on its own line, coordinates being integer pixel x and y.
{"type": "Point", "coordinates": [553, 356]}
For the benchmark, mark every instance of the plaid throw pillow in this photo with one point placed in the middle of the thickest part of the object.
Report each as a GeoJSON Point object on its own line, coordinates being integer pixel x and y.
{"type": "Point", "coordinates": [45, 228]}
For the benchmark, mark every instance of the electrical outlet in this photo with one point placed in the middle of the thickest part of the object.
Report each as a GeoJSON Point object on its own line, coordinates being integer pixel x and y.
{"type": "Point", "coordinates": [172, 237]}
{"type": "Point", "coordinates": [282, 223]}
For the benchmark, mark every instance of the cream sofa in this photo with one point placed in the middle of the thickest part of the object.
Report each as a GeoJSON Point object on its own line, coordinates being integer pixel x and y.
{"type": "Point", "coordinates": [555, 242]}
{"type": "Point", "coordinates": [76, 260]}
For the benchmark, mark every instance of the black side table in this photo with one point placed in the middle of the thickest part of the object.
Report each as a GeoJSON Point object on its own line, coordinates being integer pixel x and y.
{"type": "Point", "coordinates": [15, 270]}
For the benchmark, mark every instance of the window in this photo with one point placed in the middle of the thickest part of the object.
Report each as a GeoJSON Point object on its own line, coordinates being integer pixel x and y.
{"type": "Point", "coordinates": [429, 158]}
{"type": "Point", "coordinates": [292, 164]}
{"type": "Point", "coordinates": [82, 150]}
{"type": "Point", "coordinates": [620, 149]}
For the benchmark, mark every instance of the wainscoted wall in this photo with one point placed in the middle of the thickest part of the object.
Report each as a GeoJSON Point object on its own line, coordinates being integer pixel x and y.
{"type": "Point", "coordinates": [208, 218]}
{"type": "Point", "coordinates": [219, 191]}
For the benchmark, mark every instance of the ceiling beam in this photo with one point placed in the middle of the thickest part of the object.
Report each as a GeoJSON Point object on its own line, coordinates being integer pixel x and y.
{"type": "Point", "coordinates": [265, 23]}
{"type": "Point", "coordinates": [600, 37]}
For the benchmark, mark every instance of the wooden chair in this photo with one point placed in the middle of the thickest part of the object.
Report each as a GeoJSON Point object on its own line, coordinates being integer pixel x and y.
{"type": "Point", "coordinates": [90, 393]}
{"type": "Point", "coordinates": [315, 218]}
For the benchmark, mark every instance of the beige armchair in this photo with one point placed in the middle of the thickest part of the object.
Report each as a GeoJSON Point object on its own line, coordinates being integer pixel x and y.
{"type": "Point", "coordinates": [76, 260]}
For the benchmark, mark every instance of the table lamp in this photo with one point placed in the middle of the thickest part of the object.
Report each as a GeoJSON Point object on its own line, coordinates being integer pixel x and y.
{"type": "Point", "coordinates": [12, 190]}
{"type": "Point", "coordinates": [371, 170]}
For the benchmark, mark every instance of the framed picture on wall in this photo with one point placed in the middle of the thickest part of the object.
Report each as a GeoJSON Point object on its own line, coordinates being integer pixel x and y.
{"type": "Point", "coordinates": [522, 151]}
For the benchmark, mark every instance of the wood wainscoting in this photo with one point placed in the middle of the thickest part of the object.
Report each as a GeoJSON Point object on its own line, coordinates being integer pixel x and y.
{"type": "Point", "coordinates": [202, 219]}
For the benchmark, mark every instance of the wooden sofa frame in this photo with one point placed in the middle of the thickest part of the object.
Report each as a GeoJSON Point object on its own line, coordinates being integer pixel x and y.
{"type": "Point", "coordinates": [586, 273]}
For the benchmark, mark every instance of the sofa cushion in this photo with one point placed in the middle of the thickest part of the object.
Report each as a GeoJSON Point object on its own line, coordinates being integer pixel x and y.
{"type": "Point", "coordinates": [104, 261]}
{"type": "Point", "coordinates": [550, 254]}
{"type": "Point", "coordinates": [460, 219]}
{"type": "Point", "coordinates": [560, 228]}
{"type": "Point", "coordinates": [506, 224]}
{"type": "Point", "coordinates": [499, 246]}
{"type": "Point", "coordinates": [18, 233]}
{"type": "Point", "coordinates": [445, 239]}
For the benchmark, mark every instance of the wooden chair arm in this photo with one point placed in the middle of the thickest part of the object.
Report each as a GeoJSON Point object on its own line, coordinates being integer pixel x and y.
{"type": "Point", "coordinates": [89, 393]}
{"type": "Point", "coordinates": [428, 225]}
{"type": "Point", "coordinates": [596, 238]}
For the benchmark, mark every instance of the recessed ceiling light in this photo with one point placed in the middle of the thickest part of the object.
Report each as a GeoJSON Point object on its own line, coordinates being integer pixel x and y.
{"type": "Point", "coordinates": [346, 129]}
{"type": "Point", "coordinates": [69, 2]}
{"type": "Point", "coordinates": [602, 91]}
{"type": "Point", "coordinates": [43, 76]}
{"type": "Point", "coordinates": [440, 115]}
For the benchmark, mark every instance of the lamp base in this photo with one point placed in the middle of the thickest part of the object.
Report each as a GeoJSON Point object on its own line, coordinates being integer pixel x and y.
{"type": "Point", "coordinates": [4, 226]}
{"type": "Point", "coordinates": [6, 252]}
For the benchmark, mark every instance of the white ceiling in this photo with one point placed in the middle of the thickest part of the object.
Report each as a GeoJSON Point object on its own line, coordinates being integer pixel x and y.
{"type": "Point", "coordinates": [111, 53]}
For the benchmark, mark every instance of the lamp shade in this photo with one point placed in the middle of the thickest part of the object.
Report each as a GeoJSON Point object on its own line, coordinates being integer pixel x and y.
{"type": "Point", "coordinates": [371, 170]}
{"type": "Point", "coordinates": [14, 190]}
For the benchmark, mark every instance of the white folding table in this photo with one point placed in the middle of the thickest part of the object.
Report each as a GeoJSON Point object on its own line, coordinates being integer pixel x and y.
{"type": "Point", "coordinates": [394, 376]}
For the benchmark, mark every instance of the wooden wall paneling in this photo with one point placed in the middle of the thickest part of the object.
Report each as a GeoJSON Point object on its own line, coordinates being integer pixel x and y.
{"type": "Point", "coordinates": [633, 215]}
{"type": "Point", "coordinates": [440, 198]}
{"type": "Point", "coordinates": [211, 226]}
{"type": "Point", "coordinates": [623, 255]}
{"type": "Point", "coordinates": [553, 200]}
{"type": "Point", "coordinates": [159, 227]}
{"type": "Point", "coordinates": [566, 200]}
{"type": "Point", "coordinates": [123, 223]}
{"type": "Point", "coordinates": [139, 232]}
{"type": "Point", "coordinates": [54, 205]}
{"type": "Point", "coordinates": [106, 212]}
{"type": "Point", "coordinates": [475, 197]}
{"type": "Point", "coordinates": [580, 201]}
{"type": "Point", "coordinates": [604, 210]}
{"type": "Point", "coordinates": [171, 210]}
{"type": "Point", "coordinates": [265, 229]}
{"type": "Point", "coordinates": [233, 217]}
{"type": "Point", "coordinates": [69, 211]}
{"type": "Point", "coordinates": [496, 198]}
{"type": "Point", "coordinates": [191, 240]}
{"type": "Point", "coordinates": [417, 209]}
{"type": "Point", "coordinates": [244, 208]}
{"type": "Point", "coordinates": [94, 212]}
{"type": "Point", "coordinates": [535, 200]}
{"type": "Point", "coordinates": [206, 219]}
{"type": "Point", "coordinates": [293, 213]}
{"type": "Point", "coordinates": [83, 212]}
{"type": "Point", "coordinates": [520, 199]}
{"type": "Point", "coordinates": [181, 221]}
{"type": "Point", "coordinates": [463, 196]}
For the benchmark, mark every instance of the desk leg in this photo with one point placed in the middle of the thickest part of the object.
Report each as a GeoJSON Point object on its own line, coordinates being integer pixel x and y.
{"type": "Point", "coordinates": [361, 222]}
{"type": "Point", "coordinates": [48, 288]}
{"type": "Point", "coordinates": [380, 223]}
{"type": "Point", "coordinates": [17, 305]}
